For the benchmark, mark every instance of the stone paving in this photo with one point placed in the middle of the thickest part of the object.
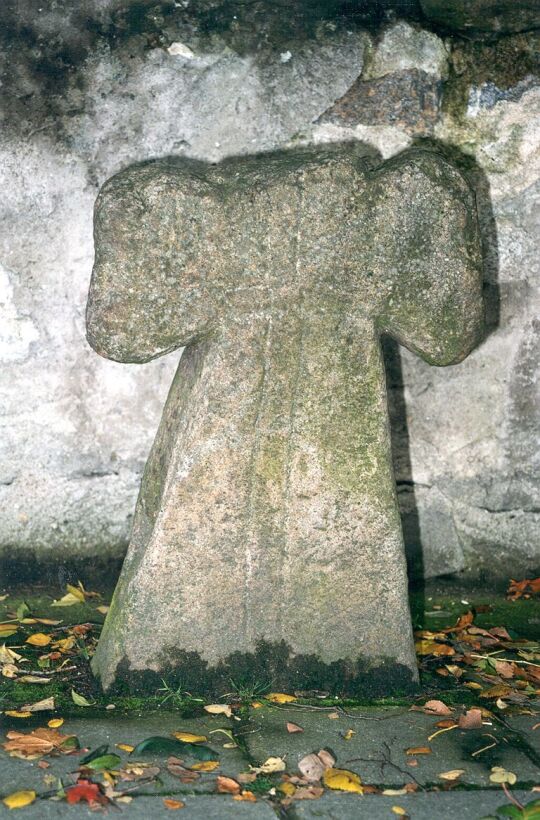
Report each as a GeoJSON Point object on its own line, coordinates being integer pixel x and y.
{"type": "Point", "coordinates": [378, 733]}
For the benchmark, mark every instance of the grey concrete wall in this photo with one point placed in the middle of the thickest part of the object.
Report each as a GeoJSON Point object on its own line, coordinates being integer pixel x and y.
{"type": "Point", "coordinates": [90, 88]}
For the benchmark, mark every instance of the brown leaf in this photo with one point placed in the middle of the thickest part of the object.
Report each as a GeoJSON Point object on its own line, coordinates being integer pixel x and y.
{"type": "Point", "coordinates": [312, 767]}
{"type": "Point", "coordinates": [499, 691]}
{"type": "Point", "coordinates": [226, 785]}
{"type": "Point", "coordinates": [169, 803]}
{"type": "Point", "coordinates": [445, 724]}
{"type": "Point", "coordinates": [326, 758]}
{"type": "Point", "coordinates": [246, 777]}
{"type": "Point", "coordinates": [436, 707]}
{"type": "Point", "coordinates": [505, 669]}
{"type": "Point", "coordinates": [293, 728]}
{"type": "Point", "coordinates": [472, 719]}
{"type": "Point", "coordinates": [418, 750]}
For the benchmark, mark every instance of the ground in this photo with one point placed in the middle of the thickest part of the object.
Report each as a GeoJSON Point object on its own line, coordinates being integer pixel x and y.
{"type": "Point", "coordinates": [464, 746]}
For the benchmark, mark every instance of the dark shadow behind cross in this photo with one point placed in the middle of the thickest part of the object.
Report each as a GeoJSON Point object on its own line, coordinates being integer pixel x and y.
{"type": "Point", "coordinates": [268, 509]}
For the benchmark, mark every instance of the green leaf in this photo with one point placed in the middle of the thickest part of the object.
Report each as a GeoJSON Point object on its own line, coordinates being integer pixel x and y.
{"type": "Point", "coordinates": [99, 764]}
{"type": "Point", "coordinates": [166, 745]}
{"type": "Point", "coordinates": [509, 811]}
{"type": "Point", "coordinates": [99, 752]}
{"type": "Point", "coordinates": [531, 811]}
{"type": "Point", "coordinates": [71, 743]}
{"type": "Point", "coordinates": [80, 700]}
{"type": "Point", "coordinates": [22, 610]}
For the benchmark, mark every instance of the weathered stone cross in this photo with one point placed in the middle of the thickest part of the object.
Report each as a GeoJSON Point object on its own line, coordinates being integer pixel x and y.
{"type": "Point", "coordinates": [267, 539]}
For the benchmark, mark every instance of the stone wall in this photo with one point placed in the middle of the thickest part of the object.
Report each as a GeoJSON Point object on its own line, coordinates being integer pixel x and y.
{"type": "Point", "coordinates": [90, 88]}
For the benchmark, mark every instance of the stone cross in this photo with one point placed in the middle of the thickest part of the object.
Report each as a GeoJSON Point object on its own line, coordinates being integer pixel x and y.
{"type": "Point", "coordinates": [267, 542]}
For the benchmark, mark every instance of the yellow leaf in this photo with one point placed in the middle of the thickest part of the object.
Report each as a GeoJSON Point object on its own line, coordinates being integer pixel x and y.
{"type": "Point", "coordinates": [270, 766]}
{"type": "Point", "coordinates": [78, 592]}
{"type": "Point", "coordinates": [256, 704]}
{"type": "Point", "coordinates": [103, 609]}
{"type": "Point", "coordinates": [280, 697]}
{"type": "Point", "coordinates": [500, 775]}
{"type": "Point", "coordinates": [349, 734]}
{"type": "Point", "coordinates": [15, 714]}
{"type": "Point", "coordinates": [342, 780]}
{"type": "Point", "coordinates": [189, 737]}
{"type": "Point", "coordinates": [399, 811]}
{"type": "Point", "coordinates": [67, 600]}
{"type": "Point", "coordinates": [453, 774]}
{"type": "Point", "coordinates": [205, 766]}
{"type": "Point", "coordinates": [7, 655]}
{"type": "Point", "coordinates": [18, 800]}
{"type": "Point", "coordinates": [7, 629]}
{"type": "Point", "coordinates": [55, 723]}
{"type": "Point", "coordinates": [125, 747]}
{"type": "Point", "coordinates": [472, 685]}
{"type": "Point", "coordinates": [246, 795]}
{"type": "Point", "coordinates": [65, 644]}
{"type": "Point", "coordinates": [288, 789]}
{"type": "Point", "coordinates": [219, 709]}
{"type": "Point", "coordinates": [39, 639]}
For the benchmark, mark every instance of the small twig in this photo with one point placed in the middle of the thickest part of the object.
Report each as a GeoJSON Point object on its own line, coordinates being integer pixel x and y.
{"type": "Point", "coordinates": [511, 797]}
{"type": "Point", "coordinates": [506, 660]}
{"type": "Point", "coordinates": [384, 761]}
{"type": "Point", "coordinates": [485, 748]}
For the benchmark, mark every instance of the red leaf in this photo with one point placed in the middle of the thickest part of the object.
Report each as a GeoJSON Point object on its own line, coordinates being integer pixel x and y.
{"type": "Point", "coordinates": [85, 790]}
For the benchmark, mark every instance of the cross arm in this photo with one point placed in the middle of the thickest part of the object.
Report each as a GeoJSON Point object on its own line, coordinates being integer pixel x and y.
{"type": "Point", "coordinates": [426, 230]}
{"type": "Point", "coordinates": [152, 285]}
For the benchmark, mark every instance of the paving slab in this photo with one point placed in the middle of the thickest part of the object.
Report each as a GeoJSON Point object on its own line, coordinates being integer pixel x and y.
{"type": "Point", "coordinates": [25, 774]}
{"type": "Point", "coordinates": [465, 805]}
{"type": "Point", "coordinates": [207, 807]}
{"type": "Point", "coordinates": [377, 750]}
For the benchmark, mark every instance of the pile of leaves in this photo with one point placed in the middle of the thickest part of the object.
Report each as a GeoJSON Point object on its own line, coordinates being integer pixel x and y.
{"type": "Point", "coordinates": [497, 665]}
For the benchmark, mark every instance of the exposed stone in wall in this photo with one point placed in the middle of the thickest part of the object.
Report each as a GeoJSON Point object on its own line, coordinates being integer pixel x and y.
{"type": "Point", "coordinates": [87, 94]}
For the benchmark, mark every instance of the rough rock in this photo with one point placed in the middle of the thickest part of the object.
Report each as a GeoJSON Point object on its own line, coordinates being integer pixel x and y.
{"type": "Point", "coordinates": [267, 512]}
{"type": "Point", "coordinates": [493, 16]}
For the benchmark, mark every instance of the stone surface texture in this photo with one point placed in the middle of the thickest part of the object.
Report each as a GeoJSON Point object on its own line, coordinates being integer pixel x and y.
{"type": "Point", "coordinates": [272, 466]}
{"type": "Point", "coordinates": [87, 94]}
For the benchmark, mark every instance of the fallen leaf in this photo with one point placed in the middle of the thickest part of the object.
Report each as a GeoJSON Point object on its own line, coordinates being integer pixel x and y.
{"type": "Point", "coordinates": [418, 750]}
{"type": "Point", "coordinates": [219, 709]}
{"type": "Point", "coordinates": [205, 766]}
{"type": "Point", "coordinates": [426, 647]}
{"type": "Point", "coordinates": [501, 775]}
{"type": "Point", "coordinates": [39, 639]}
{"type": "Point", "coordinates": [79, 700]}
{"type": "Point", "coordinates": [33, 679]}
{"type": "Point", "coordinates": [270, 766]}
{"type": "Point", "coordinates": [40, 706]}
{"type": "Point", "coordinates": [472, 719]}
{"type": "Point", "coordinates": [103, 609]}
{"type": "Point", "coordinates": [395, 792]}
{"type": "Point", "coordinates": [446, 724]}
{"type": "Point", "coordinates": [67, 600]}
{"type": "Point", "coordinates": [293, 728]}
{"type": "Point", "coordinates": [85, 790]}
{"type": "Point", "coordinates": [280, 697]}
{"type": "Point", "coordinates": [453, 774]}
{"type": "Point", "coordinates": [6, 630]}
{"type": "Point", "coordinates": [7, 655]}
{"type": "Point", "coordinates": [226, 785]}
{"type": "Point", "coordinates": [349, 734]}
{"type": "Point", "coordinates": [157, 745]}
{"type": "Point", "coordinates": [38, 742]}
{"type": "Point", "coordinates": [246, 777]}
{"type": "Point", "coordinates": [18, 800]}
{"type": "Point", "coordinates": [437, 707]}
{"type": "Point", "coordinates": [15, 714]}
{"type": "Point", "coordinates": [399, 811]}
{"type": "Point", "coordinates": [342, 780]}
{"type": "Point", "coordinates": [499, 691]}
{"type": "Point", "coordinates": [103, 763]}
{"type": "Point", "coordinates": [246, 795]}
{"type": "Point", "coordinates": [326, 758]}
{"type": "Point", "coordinates": [125, 747]}
{"type": "Point", "coordinates": [333, 715]}
{"type": "Point", "coordinates": [505, 669]}
{"type": "Point", "coordinates": [169, 803]}
{"type": "Point", "coordinates": [55, 723]}
{"type": "Point", "coordinates": [65, 644]}
{"type": "Point", "coordinates": [312, 767]}
{"type": "Point", "coordinates": [310, 792]}
{"type": "Point", "coordinates": [287, 788]}
{"type": "Point", "coordinates": [189, 737]}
